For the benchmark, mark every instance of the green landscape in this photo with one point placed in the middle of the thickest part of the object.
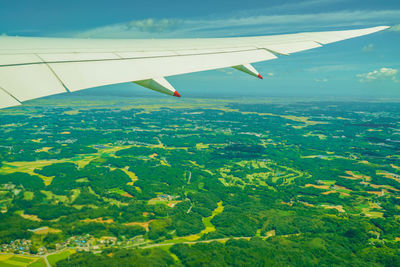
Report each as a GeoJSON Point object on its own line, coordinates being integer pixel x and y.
{"type": "Point", "coordinates": [200, 182]}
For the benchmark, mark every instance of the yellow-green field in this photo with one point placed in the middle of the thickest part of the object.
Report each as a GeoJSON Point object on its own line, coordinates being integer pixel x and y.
{"type": "Point", "coordinates": [9, 260]}
{"type": "Point", "coordinates": [54, 258]}
{"type": "Point", "coordinates": [209, 227]}
{"type": "Point", "coordinates": [272, 173]}
{"type": "Point", "coordinates": [207, 221]}
{"type": "Point", "coordinates": [81, 161]}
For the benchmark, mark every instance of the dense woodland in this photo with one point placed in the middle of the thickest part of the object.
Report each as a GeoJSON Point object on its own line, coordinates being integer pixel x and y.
{"type": "Point", "coordinates": [298, 184]}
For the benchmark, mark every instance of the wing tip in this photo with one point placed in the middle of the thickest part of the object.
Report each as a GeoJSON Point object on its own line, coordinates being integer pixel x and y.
{"type": "Point", "coordinates": [382, 28]}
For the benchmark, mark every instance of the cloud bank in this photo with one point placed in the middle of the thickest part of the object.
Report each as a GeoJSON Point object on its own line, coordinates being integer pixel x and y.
{"type": "Point", "coordinates": [395, 28]}
{"type": "Point", "coordinates": [239, 26]}
{"type": "Point", "coordinates": [381, 74]}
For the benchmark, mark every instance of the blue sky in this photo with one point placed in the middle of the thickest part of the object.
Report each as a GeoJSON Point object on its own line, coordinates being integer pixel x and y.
{"type": "Point", "coordinates": [363, 67]}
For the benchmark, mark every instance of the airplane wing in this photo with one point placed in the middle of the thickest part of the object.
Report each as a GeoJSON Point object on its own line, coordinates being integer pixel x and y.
{"type": "Point", "coordinates": [37, 67]}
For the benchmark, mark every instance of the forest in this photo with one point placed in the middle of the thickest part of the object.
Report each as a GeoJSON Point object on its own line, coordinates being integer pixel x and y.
{"type": "Point", "coordinates": [227, 183]}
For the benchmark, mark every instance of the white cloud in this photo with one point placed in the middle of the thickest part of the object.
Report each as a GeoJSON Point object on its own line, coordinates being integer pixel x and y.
{"type": "Point", "coordinates": [290, 7]}
{"type": "Point", "coordinates": [151, 25]}
{"type": "Point", "coordinates": [368, 48]}
{"type": "Point", "coordinates": [228, 71]}
{"type": "Point", "coordinates": [243, 25]}
{"type": "Point", "coordinates": [395, 28]}
{"type": "Point", "coordinates": [333, 68]}
{"type": "Point", "coordinates": [324, 80]}
{"type": "Point", "coordinates": [381, 74]}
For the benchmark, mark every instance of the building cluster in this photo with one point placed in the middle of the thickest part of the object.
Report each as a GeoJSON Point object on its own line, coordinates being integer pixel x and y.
{"type": "Point", "coordinates": [18, 246]}
{"type": "Point", "coordinates": [165, 197]}
{"type": "Point", "coordinates": [80, 243]}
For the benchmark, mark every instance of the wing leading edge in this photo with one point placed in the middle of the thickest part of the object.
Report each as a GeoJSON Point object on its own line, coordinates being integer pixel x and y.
{"type": "Point", "coordinates": [36, 67]}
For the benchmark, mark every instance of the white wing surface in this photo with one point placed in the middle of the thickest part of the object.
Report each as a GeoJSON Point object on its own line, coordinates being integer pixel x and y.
{"type": "Point", "coordinates": [37, 67]}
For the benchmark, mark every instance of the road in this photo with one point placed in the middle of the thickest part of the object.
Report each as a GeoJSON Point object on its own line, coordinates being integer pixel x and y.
{"type": "Point", "coordinates": [49, 254]}
{"type": "Point", "coordinates": [46, 261]}
{"type": "Point", "coordinates": [269, 234]}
